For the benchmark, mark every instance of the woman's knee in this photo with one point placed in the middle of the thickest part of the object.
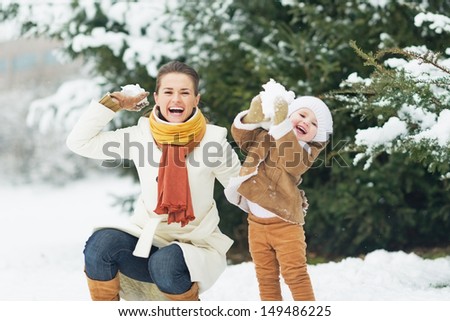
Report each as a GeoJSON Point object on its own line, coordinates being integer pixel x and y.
{"type": "Point", "coordinates": [105, 250]}
{"type": "Point", "coordinates": [167, 260]}
{"type": "Point", "coordinates": [106, 242]}
{"type": "Point", "coordinates": [168, 269]}
{"type": "Point", "coordinates": [100, 240]}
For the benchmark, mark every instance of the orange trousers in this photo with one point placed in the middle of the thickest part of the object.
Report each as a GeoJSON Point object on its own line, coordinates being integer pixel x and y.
{"type": "Point", "coordinates": [278, 246]}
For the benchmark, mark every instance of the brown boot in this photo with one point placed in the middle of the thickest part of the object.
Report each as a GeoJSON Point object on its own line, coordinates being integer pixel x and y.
{"type": "Point", "coordinates": [189, 295]}
{"type": "Point", "coordinates": [104, 290]}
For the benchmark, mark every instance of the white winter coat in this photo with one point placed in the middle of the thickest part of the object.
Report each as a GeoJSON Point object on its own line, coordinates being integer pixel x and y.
{"type": "Point", "coordinates": [203, 244]}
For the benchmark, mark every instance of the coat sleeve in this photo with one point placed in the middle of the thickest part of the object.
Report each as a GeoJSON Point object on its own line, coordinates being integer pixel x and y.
{"type": "Point", "coordinates": [229, 164]}
{"type": "Point", "coordinates": [89, 139]}
{"type": "Point", "coordinates": [245, 135]}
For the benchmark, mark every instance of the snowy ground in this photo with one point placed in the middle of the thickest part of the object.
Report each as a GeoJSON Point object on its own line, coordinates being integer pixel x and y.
{"type": "Point", "coordinates": [44, 228]}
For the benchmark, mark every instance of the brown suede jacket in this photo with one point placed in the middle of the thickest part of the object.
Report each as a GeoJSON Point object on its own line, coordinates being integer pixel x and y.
{"type": "Point", "coordinates": [280, 164]}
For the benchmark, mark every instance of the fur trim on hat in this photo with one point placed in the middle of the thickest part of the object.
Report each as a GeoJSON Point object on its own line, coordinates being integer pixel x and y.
{"type": "Point", "coordinates": [320, 110]}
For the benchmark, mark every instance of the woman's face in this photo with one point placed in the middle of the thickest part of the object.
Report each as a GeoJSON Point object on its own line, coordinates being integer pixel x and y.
{"type": "Point", "coordinates": [305, 124]}
{"type": "Point", "coordinates": [176, 97]}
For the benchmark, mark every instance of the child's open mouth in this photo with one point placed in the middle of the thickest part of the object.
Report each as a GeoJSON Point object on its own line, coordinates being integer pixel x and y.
{"type": "Point", "coordinates": [301, 130]}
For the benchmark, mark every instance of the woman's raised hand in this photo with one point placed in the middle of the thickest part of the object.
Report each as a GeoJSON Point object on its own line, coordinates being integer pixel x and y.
{"type": "Point", "coordinates": [132, 103]}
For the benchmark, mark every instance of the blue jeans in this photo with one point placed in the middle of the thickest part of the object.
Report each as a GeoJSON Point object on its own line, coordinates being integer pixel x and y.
{"type": "Point", "coordinates": [109, 251]}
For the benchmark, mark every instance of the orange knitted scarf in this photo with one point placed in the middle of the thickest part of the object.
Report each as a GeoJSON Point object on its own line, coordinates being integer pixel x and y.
{"type": "Point", "coordinates": [176, 141]}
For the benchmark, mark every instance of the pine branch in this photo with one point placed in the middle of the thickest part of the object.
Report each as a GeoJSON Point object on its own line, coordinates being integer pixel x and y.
{"type": "Point", "coordinates": [429, 57]}
{"type": "Point", "coordinates": [372, 60]}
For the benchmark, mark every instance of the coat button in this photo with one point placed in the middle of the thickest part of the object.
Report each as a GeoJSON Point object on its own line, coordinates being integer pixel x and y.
{"type": "Point", "coordinates": [156, 179]}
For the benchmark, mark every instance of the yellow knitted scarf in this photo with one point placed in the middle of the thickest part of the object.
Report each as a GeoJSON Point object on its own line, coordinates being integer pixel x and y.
{"type": "Point", "coordinates": [178, 133]}
{"type": "Point", "coordinates": [176, 142]}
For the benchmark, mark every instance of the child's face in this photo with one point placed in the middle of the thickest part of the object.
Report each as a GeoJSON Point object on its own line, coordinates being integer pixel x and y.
{"type": "Point", "coordinates": [305, 124]}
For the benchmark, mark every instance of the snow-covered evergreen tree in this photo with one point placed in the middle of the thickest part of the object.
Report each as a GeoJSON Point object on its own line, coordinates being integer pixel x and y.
{"type": "Point", "coordinates": [120, 42]}
{"type": "Point", "coordinates": [408, 97]}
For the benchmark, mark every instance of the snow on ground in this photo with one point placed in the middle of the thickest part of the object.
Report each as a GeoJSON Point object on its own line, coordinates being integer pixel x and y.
{"type": "Point", "coordinates": [43, 230]}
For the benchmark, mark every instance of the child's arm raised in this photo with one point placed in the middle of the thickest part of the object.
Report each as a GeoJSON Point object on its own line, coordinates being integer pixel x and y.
{"type": "Point", "coordinates": [246, 126]}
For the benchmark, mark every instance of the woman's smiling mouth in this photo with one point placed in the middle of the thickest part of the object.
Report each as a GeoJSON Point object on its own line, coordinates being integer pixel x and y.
{"type": "Point", "coordinates": [176, 110]}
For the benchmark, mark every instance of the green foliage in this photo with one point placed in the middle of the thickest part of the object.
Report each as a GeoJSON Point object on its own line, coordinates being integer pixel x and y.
{"type": "Point", "coordinates": [230, 75]}
{"type": "Point", "coordinates": [396, 93]}
{"type": "Point", "coordinates": [392, 206]}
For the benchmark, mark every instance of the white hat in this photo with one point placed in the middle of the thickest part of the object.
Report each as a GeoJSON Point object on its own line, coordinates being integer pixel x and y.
{"type": "Point", "coordinates": [320, 110]}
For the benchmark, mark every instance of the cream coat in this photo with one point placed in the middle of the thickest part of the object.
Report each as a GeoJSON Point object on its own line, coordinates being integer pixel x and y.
{"type": "Point", "coordinates": [203, 244]}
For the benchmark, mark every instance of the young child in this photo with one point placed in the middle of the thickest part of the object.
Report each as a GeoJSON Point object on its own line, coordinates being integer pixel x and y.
{"type": "Point", "coordinates": [267, 188]}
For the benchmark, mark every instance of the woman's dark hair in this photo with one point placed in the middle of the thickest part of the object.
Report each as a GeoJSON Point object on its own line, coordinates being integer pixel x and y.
{"type": "Point", "coordinates": [179, 67]}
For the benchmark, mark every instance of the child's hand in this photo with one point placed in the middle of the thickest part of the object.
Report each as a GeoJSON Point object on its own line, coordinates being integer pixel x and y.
{"type": "Point", "coordinates": [280, 108]}
{"type": "Point", "coordinates": [255, 113]}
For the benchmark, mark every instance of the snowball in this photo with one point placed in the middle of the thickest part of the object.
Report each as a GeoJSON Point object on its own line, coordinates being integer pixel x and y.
{"type": "Point", "coordinates": [134, 90]}
{"type": "Point", "coordinates": [272, 89]}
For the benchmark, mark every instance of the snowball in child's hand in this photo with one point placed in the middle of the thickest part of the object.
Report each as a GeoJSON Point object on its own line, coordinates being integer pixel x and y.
{"type": "Point", "coordinates": [272, 92]}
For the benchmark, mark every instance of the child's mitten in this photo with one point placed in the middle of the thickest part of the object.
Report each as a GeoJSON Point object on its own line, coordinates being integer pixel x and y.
{"type": "Point", "coordinates": [280, 108]}
{"type": "Point", "coordinates": [255, 113]}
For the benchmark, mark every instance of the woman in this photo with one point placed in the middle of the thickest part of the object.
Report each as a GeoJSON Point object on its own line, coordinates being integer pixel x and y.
{"type": "Point", "coordinates": [172, 239]}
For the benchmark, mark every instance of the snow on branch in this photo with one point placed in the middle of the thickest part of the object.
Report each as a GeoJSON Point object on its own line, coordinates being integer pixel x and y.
{"type": "Point", "coordinates": [106, 34]}
{"type": "Point", "coordinates": [63, 108]}
{"type": "Point", "coordinates": [404, 106]}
